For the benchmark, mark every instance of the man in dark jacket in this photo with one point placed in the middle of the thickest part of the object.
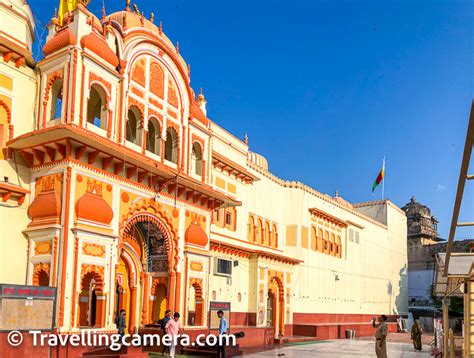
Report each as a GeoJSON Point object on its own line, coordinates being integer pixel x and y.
{"type": "Point", "coordinates": [120, 323]}
{"type": "Point", "coordinates": [164, 321]}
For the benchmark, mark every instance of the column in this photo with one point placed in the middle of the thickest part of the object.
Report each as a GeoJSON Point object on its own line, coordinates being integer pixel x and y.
{"type": "Point", "coordinates": [133, 309]}
{"type": "Point", "coordinates": [146, 294]}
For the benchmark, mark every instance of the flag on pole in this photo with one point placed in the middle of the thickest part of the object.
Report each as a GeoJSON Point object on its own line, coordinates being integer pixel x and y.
{"type": "Point", "coordinates": [66, 6]}
{"type": "Point", "coordinates": [380, 177]}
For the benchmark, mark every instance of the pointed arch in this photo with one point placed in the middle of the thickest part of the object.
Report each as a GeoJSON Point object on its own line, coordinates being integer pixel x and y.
{"type": "Point", "coordinates": [151, 211]}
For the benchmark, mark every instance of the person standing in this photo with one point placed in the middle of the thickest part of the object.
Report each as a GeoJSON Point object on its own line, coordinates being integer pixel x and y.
{"type": "Point", "coordinates": [164, 321]}
{"type": "Point", "coordinates": [416, 333]}
{"type": "Point", "coordinates": [381, 336]}
{"type": "Point", "coordinates": [120, 323]}
{"type": "Point", "coordinates": [173, 328]}
{"type": "Point", "coordinates": [222, 332]}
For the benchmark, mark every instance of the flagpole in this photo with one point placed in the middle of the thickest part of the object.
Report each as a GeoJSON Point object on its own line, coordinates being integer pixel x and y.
{"type": "Point", "coordinates": [383, 179]}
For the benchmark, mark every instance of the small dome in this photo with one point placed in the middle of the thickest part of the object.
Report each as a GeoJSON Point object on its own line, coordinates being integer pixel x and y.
{"type": "Point", "coordinates": [46, 208]}
{"type": "Point", "coordinates": [258, 160]}
{"type": "Point", "coordinates": [132, 19]}
{"type": "Point", "coordinates": [195, 235]}
{"type": "Point", "coordinates": [92, 207]}
{"type": "Point", "coordinates": [196, 112]}
{"type": "Point", "coordinates": [63, 38]}
{"type": "Point", "coordinates": [341, 201]}
{"type": "Point", "coordinates": [100, 47]}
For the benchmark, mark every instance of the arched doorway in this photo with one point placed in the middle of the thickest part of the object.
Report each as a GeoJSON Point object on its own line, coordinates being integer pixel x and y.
{"type": "Point", "coordinates": [91, 300]}
{"type": "Point", "coordinates": [195, 303]}
{"type": "Point", "coordinates": [144, 260]}
{"type": "Point", "coordinates": [276, 306]}
{"type": "Point", "coordinates": [159, 302]}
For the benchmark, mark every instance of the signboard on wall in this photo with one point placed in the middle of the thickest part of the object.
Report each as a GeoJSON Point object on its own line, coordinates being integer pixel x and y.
{"type": "Point", "coordinates": [218, 306]}
{"type": "Point", "coordinates": [26, 307]}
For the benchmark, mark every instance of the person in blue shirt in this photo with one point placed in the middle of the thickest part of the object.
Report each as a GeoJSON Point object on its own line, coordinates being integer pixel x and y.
{"type": "Point", "coordinates": [222, 331]}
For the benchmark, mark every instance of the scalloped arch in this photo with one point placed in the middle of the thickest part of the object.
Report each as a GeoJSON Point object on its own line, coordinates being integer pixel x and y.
{"type": "Point", "coordinates": [150, 210]}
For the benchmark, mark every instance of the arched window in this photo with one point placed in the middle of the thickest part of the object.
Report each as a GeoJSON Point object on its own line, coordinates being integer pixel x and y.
{"type": "Point", "coordinates": [196, 159]}
{"type": "Point", "coordinates": [320, 243]}
{"type": "Point", "coordinates": [153, 140]}
{"type": "Point", "coordinates": [333, 245]}
{"type": "Point", "coordinates": [326, 243]}
{"type": "Point", "coordinates": [267, 234]}
{"type": "Point", "coordinates": [314, 245]}
{"type": "Point", "coordinates": [275, 236]}
{"type": "Point", "coordinates": [251, 229]}
{"type": "Point", "coordinates": [171, 145]}
{"type": "Point", "coordinates": [133, 126]}
{"type": "Point", "coordinates": [56, 99]}
{"type": "Point", "coordinates": [97, 107]}
{"type": "Point", "coordinates": [338, 246]}
{"type": "Point", "coordinates": [261, 232]}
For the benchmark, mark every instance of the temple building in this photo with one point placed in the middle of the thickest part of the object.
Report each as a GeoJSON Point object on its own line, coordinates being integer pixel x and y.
{"type": "Point", "coordinates": [117, 189]}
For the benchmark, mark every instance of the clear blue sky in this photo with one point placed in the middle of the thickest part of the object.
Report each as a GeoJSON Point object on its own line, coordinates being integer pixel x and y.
{"type": "Point", "coordinates": [325, 89]}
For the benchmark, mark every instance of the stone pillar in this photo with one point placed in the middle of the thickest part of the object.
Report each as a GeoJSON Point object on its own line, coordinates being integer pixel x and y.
{"type": "Point", "coordinates": [133, 309]}
{"type": "Point", "coordinates": [178, 292]}
{"type": "Point", "coordinates": [146, 294]}
{"type": "Point", "coordinates": [171, 294]}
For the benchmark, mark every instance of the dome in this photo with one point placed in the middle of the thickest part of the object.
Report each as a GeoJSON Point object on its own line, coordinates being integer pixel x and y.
{"type": "Point", "coordinates": [92, 207]}
{"type": "Point", "coordinates": [258, 160]}
{"type": "Point", "coordinates": [130, 19]}
{"type": "Point", "coordinates": [98, 45]}
{"type": "Point", "coordinates": [46, 208]}
{"type": "Point", "coordinates": [22, 7]}
{"type": "Point", "coordinates": [196, 112]}
{"type": "Point", "coordinates": [341, 201]}
{"type": "Point", "coordinates": [195, 235]}
{"type": "Point", "coordinates": [63, 38]}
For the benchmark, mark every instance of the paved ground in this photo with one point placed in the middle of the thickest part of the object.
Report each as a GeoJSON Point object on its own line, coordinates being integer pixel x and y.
{"type": "Point", "coordinates": [341, 349]}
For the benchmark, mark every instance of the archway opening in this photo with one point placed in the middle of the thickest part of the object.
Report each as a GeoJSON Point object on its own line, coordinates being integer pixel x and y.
{"type": "Point", "coordinates": [97, 107]}
{"type": "Point", "coordinates": [159, 302]}
{"type": "Point", "coordinates": [275, 306]}
{"type": "Point", "coordinates": [91, 301]}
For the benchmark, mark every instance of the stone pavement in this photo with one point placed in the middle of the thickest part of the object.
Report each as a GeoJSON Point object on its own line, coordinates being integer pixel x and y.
{"type": "Point", "coordinates": [341, 348]}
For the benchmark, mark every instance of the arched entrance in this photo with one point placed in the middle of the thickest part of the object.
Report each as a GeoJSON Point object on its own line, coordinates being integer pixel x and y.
{"type": "Point", "coordinates": [195, 303]}
{"type": "Point", "coordinates": [147, 249]}
{"type": "Point", "coordinates": [91, 299]}
{"type": "Point", "coordinates": [159, 301]}
{"type": "Point", "coordinates": [276, 305]}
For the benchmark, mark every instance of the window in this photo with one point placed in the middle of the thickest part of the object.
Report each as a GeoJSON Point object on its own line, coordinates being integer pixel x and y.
{"type": "Point", "coordinates": [228, 218]}
{"type": "Point", "coordinates": [153, 140]}
{"type": "Point", "coordinates": [97, 107]}
{"type": "Point", "coordinates": [56, 99]}
{"type": "Point", "coordinates": [251, 231]}
{"type": "Point", "coordinates": [351, 235]}
{"type": "Point", "coordinates": [133, 125]}
{"type": "Point", "coordinates": [274, 242]}
{"type": "Point", "coordinates": [216, 215]}
{"type": "Point", "coordinates": [196, 159]}
{"type": "Point", "coordinates": [223, 267]}
{"type": "Point", "coordinates": [171, 145]}
{"type": "Point", "coordinates": [356, 237]}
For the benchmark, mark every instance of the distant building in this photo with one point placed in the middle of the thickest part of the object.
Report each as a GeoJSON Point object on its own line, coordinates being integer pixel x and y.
{"type": "Point", "coordinates": [423, 243]}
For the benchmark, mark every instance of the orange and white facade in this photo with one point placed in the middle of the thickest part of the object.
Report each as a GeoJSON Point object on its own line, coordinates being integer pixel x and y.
{"type": "Point", "coordinates": [122, 193]}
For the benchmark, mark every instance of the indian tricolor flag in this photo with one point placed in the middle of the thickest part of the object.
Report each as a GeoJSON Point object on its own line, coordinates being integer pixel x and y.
{"type": "Point", "coordinates": [380, 177]}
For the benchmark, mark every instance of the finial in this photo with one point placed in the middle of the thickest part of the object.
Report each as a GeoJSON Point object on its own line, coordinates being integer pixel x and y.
{"type": "Point", "coordinates": [103, 13]}
{"type": "Point", "coordinates": [161, 28]}
{"type": "Point", "coordinates": [413, 199]}
{"type": "Point", "coordinates": [246, 138]}
{"type": "Point", "coordinates": [127, 5]}
{"type": "Point", "coordinates": [142, 18]}
{"type": "Point", "coordinates": [152, 17]}
{"type": "Point", "coordinates": [189, 69]}
{"type": "Point", "coordinates": [136, 9]}
{"type": "Point", "coordinates": [336, 194]}
{"type": "Point", "coordinates": [55, 16]}
{"type": "Point", "coordinates": [177, 46]}
{"type": "Point", "coordinates": [200, 91]}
